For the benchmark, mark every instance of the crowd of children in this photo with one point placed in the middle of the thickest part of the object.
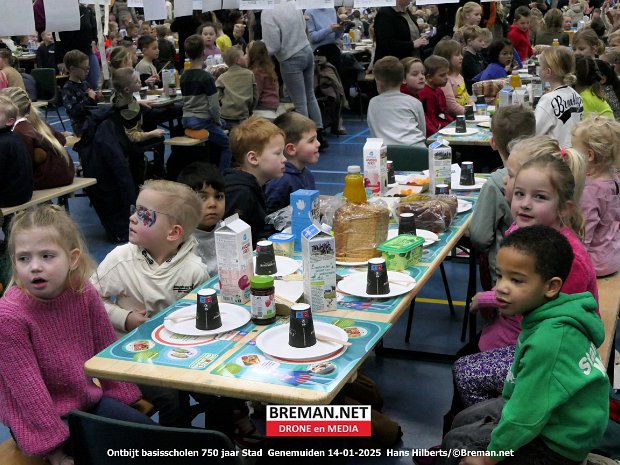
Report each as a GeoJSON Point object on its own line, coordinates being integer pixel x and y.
{"type": "Point", "coordinates": [548, 221]}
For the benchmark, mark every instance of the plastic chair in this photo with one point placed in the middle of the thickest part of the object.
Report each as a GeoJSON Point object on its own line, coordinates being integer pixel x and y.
{"type": "Point", "coordinates": [47, 89]}
{"type": "Point", "coordinates": [415, 158]}
{"type": "Point", "coordinates": [93, 436]}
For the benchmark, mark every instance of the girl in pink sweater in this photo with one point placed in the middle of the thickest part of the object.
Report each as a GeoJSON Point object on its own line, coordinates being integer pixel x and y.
{"type": "Point", "coordinates": [455, 91]}
{"type": "Point", "coordinates": [546, 191]}
{"type": "Point", "coordinates": [52, 321]}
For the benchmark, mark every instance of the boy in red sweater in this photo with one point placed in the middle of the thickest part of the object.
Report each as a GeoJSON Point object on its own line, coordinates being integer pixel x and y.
{"type": "Point", "coordinates": [519, 33]}
{"type": "Point", "coordinates": [432, 97]}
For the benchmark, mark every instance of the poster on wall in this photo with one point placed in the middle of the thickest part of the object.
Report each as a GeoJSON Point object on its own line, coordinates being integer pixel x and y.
{"type": "Point", "coordinates": [135, 3]}
{"type": "Point", "coordinates": [18, 20]}
{"type": "Point", "coordinates": [307, 4]}
{"type": "Point", "coordinates": [256, 5]}
{"type": "Point", "coordinates": [183, 8]}
{"type": "Point", "coordinates": [62, 15]}
{"type": "Point", "coordinates": [211, 5]}
{"type": "Point", "coordinates": [154, 10]}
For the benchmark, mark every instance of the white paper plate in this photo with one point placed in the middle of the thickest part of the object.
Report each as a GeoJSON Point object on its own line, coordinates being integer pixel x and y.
{"type": "Point", "coordinates": [285, 265]}
{"type": "Point", "coordinates": [355, 284]}
{"type": "Point", "coordinates": [274, 342]}
{"type": "Point", "coordinates": [339, 263]}
{"type": "Point", "coordinates": [485, 124]}
{"type": "Point", "coordinates": [452, 132]}
{"type": "Point", "coordinates": [428, 236]}
{"type": "Point", "coordinates": [482, 118]}
{"type": "Point", "coordinates": [233, 317]}
{"type": "Point", "coordinates": [479, 183]}
{"type": "Point", "coordinates": [463, 206]}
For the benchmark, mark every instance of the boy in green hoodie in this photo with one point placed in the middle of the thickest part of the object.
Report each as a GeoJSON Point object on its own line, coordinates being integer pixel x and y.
{"type": "Point", "coordinates": [555, 398]}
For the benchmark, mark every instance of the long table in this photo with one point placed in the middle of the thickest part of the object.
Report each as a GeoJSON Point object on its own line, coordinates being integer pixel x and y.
{"type": "Point", "coordinates": [233, 366]}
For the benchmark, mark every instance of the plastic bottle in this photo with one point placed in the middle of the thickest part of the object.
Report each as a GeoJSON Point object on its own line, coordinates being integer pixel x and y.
{"type": "Point", "coordinates": [346, 41]}
{"type": "Point", "coordinates": [555, 43]}
{"type": "Point", "coordinates": [515, 80]}
{"type": "Point", "coordinates": [186, 64]}
{"type": "Point", "coordinates": [354, 185]}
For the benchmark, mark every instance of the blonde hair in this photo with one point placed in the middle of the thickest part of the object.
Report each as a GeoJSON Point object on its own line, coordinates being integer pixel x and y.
{"type": "Point", "coordinates": [561, 61]}
{"type": "Point", "coordinates": [118, 55]}
{"type": "Point", "coordinates": [122, 78]}
{"type": "Point", "coordinates": [24, 109]}
{"type": "Point", "coordinates": [65, 234]}
{"type": "Point", "coordinates": [466, 9]}
{"type": "Point", "coordinates": [613, 36]}
{"type": "Point", "coordinates": [590, 38]}
{"type": "Point", "coordinates": [408, 62]}
{"type": "Point", "coordinates": [567, 168]}
{"type": "Point", "coordinates": [448, 48]}
{"type": "Point", "coordinates": [182, 203]}
{"type": "Point", "coordinates": [232, 54]}
{"type": "Point", "coordinates": [602, 136]}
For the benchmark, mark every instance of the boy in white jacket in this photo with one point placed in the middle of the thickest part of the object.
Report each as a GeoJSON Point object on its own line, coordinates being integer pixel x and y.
{"type": "Point", "coordinates": [155, 269]}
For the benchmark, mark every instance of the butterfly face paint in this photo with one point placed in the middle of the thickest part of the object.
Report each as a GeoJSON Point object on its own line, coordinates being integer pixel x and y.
{"type": "Point", "coordinates": [145, 216]}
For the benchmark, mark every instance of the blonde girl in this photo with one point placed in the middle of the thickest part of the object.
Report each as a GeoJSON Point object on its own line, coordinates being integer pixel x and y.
{"type": "Point", "coordinates": [51, 163]}
{"type": "Point", "coordinates": [455, 91]}
{"type": "Point", "coordinates": [587, 43]}
{"type": "Point", "coordinates": [415, 78]}
{"type": "Point", "coordinates": [546, 191]}
{"type": "Point", "coordinates": [562, 107]}
{"type": "Point", "coordinates": [469, 14]}
{"type": "Point", "coordinates": [598, 140]}
{"type": "Point", "coordinates": [51, 322]}
{"type": "Point", "coordinates": [261, 65]}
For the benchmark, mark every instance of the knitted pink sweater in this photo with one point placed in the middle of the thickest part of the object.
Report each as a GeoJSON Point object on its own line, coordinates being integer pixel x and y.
{"type": "Point", "coordinates": [43, 347]}
{"type": "Point", "coordinates": [504, 330]}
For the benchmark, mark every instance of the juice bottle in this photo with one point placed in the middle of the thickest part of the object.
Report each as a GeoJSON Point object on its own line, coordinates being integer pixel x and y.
{"type": "Point", "coordinates": [186, 64]}
{"type": "Point", "coordinates": [515, 80]}
{"type": "Point", "coordinates": [354, 189]}
{"type": "Point", "coordinates": [555, 43]}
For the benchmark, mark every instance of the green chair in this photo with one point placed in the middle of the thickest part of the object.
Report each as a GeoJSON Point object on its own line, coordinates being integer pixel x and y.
{"type": "Point", "coordinates": [415, 158]}
{"type": "Point", "coordinates": [93, 437]}
{"type": "Point", "coordinates": [47, 89]}
{"type": "Point", "coordinates": [408, 157]}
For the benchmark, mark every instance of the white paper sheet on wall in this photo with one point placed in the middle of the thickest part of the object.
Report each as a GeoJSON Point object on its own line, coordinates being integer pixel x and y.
{"type": "Point", "coordinates": [230, 4]}
{"type": "Point", "coordinates": [374, 3]}
{"type": "Point", "coordinates": [434, 2]}
{"type": "Point", "coordinates": [307, 4]}
{"type": "Point", "coordinates": [62, 15]}
{"type": "Point", "coordinates": [182, 8]}
{"type": "Point", "coordinates": [256, 5]}
{"type": "Point", "coordinates": [343, 3]}
{"type": "Point", "coordinates": [211, 5]}
{"type": "Point", "coordinates": [154, 9]}
{"type": "Point", "coordinates": [135, 3]}
{"type": "Point", "coordinates": [17, 20]}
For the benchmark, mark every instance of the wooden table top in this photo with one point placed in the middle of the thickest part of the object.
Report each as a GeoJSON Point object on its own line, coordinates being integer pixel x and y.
{"type": "Point", "coordinates": [233, 366]}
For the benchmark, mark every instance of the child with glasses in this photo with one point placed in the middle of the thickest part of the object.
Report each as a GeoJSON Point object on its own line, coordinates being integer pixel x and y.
{"type": "Point", "coordinates": [77, 95]}
{"type": "Point", "coordinates": [155, 269]}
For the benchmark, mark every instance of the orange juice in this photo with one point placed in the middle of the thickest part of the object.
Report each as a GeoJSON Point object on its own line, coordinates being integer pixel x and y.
{"type": "Point", "coordinates": [354, 189]}
{"type": "Point", "coordinates": [515, 80]}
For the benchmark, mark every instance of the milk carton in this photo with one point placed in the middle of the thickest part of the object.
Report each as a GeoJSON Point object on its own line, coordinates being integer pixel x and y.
{"type": "Point", "coordinates": [439, 164]}
{"type": "Point", "coordinates": [233, 246]}
{"type": "Point", "coordinates": [318, 250]}
{"type": "Point", "coordinates": [375, 166]}
{"type": "Point", "coordinates": [505, 96]}
{"type": "Point", "coordinates": [306, 210]}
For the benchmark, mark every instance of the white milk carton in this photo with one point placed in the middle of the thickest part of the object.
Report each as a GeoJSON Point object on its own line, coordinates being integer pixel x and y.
{"type": "Point", "coordinates": [375, 166]}
{"type": "Point", "coordinates": [233, 246]}
{"type": "Point", "coordinates": [318, 250]}
{"type": "Point", "coordinates": [439, 164]}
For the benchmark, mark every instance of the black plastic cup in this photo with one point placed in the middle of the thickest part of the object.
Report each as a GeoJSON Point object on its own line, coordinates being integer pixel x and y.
{"type": "Point", "coordinates": [265, 258]}
{"type": "Point", "coordinates": [461, 126]}
{"type": "Point", "coordinates": [406, 224]}
{"type": "Point", "coordinates": [442, 189]}
{"type": "Point", "coordinates": [377, 279]}
{"type": "Point", "coordinates": [301, 328]}
{"type": "Point", "coordinates": [469, 113]}
{"type": "Point", "coordinates": [480, 99]}
{"type": "Point", "coordinates": [467, 174]}
{"type": "Point", "coordinates": [207, 310]}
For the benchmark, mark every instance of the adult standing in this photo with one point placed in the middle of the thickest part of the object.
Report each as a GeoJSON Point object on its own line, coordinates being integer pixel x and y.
{"type": "Point", "coordinates": [324, 32]}
{"type": "Point", "coordinates": [397, 33]}
{"type": "Point", "coordinates": [284, 34]}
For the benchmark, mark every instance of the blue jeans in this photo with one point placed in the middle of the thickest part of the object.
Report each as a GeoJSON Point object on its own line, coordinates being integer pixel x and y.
{"type": "Point", "coordinates": [216, 135]}
{"type": "Point", "coordinates": [94, 72]}
{"type": "Point", "coordinates": [298, 76]}
{"type": "Point", "coordinates": [112, 408]}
